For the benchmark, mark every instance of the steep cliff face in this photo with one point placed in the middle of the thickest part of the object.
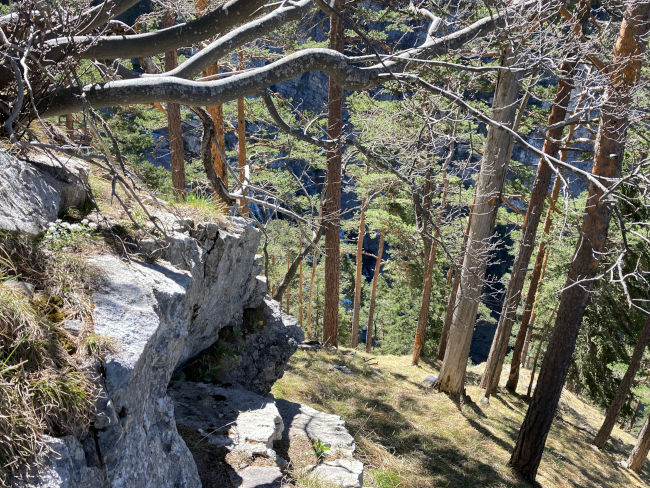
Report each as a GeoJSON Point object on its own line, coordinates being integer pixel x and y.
{"type": "Point", "coordinates": [201, 291]}
{"type": "Point", "coordinates": [159, 315]}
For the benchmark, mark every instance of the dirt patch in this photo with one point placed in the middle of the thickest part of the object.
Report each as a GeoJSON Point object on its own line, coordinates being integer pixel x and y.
{"type": "Point", "coordinates": [210, 460]}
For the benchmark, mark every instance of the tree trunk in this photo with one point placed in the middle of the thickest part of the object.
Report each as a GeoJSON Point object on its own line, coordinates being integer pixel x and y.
{"type": "Point", "coordinates": [524, 351]}
{"type": "Point", "coordinates": [354, 340]}
{"type": "Point", "coordinates": [641, 449]}
{"type": "Point", "coordinates": [69, 126]}
{"type": "Point", "coordinates": [288, 291]}
{"type": "Point", "coordinates": [332, 217]}
{"type": "Point", "coordinates": [423, 317]}
{"type": "Point", "coordinates": [488, 191]}
{"type": "Point", "coordinates": [635, 414]}
{"type": "Point", "coordinates": [216, 112]}
{"type": "Point", "coordinates": [539, 268]}
{"type": "Point", "coordinates": [278, 292]}
{"type": "Point", "coordinates": [492, 372]}
{"type": "Point", "coordinates": [373, 293]}
{"type": "Point", "coordinates": [241, 149]}
{"type": "Point", "coordinates": [608, 161]}
{"type": "Point", "coordinates": [314, 265]}
{"type": "Point", "coordinates": [174, 125]}
{"type": "Point", "coordinates": [624, 387]}
{"type": "Point", "coordinates": [451, 302]}
{"type": "Point", "coordinates": [300, 284]}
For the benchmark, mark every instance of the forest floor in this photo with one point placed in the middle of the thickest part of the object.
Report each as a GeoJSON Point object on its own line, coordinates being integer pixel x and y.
{"type": "Point", "coordinates": [411, 437]}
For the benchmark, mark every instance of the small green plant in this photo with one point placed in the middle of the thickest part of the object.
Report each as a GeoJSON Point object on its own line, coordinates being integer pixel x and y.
{"type": "Point", "coordinates": [319, 448]}
{"type": "Point", "coordinates": [60, 235]}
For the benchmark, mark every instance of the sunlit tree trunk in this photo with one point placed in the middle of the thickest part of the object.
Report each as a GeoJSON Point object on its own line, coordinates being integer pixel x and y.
{"type": "Point", "coordinates": [451, 302]}
{"type": "Point", "coordinates": [608, 161]}
{"type": "Point", "coordinates": [216, 112]}
{"type": "Point", "coordinates": [332, 217]}
{"type": "Point", "coordinates": [174, 125]}
{"type": "Point", "coordinates": [69, 126]}
{"type": "Point", "coordinates": [488, 191]}
{"type": "Point", "coordinates": [300, 285]}
{"type": "Point", "coordinates": [425, 303]}
{"type": "Point", "coordinates": [624, 387]}
{"type": "Point", "coordinates": [241, 148]}
{"type": "Point", "coordinates": [354, 340]}
{"type": "Point", "coordinates": [314, 265]}
{"type": "Point", "coordinates": [641, 449]}
{"type": "Point", "coordinates": [499, 347]}
{"type": "Point", "coordinates": [373, 293]}
{"type": "Point", "coordinates": [288, 291]}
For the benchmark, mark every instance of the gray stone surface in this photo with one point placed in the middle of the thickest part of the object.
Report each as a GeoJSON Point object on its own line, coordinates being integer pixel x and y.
{"type": "Point", "coordinates": [258, 477]}
{"type": "Point", "coordinates": [301, 420]}
{"type": "Point", "coordinates": [270, 338]}
{"type": "Point", "coordinates": [46, 189]}
{"type": "Point", "coordinates": [234, 418]}
{"type": "Point", "coordinates": [63, 465]}
{"type": "Point", "coordinates": [430, 380]}
{"type": "Point", "coordinates": [346, 473]}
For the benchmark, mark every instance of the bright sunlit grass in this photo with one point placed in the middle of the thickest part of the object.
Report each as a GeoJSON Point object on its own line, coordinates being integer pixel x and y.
{"type": "Point", "coordinates": [410, 437]}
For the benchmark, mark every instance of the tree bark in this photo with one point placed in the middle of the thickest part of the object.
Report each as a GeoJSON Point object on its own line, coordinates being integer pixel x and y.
{"type": "Point", "coordinates": [608, 161]}
{"type": "Point", "coordinates": [423, 316]}
{"type": "Point", "coordinates": [518, 354]}
{"type": "Point", "coordinates": [288, 290]}
{"type": "Point", "coordinates": [241, 152]}
{"type": "Point", "coordinates": [488, 191]}
{"type": "Point", "coordinates": [174, 127]}
{"type": "Point", "coordinates": [314, 265]}
{"type": "Point", "coordinates": [354, 340]}
{"type": "Point", "coordinates": [451, 302]}
{"type": "Point", "coordinates": [611, 415]}
{"type": "Point", "coordinates": [278, 291]}
{"type": "Point", "coordinates": [300, 284]}
{"type": "Point", "coordinates": [635, 414]}
{"type": "Point", "coordinates": [373, 293]}
{"type": "Point", "coordinates": [641, 449]}
{"type": "Point", "coordinates": [171, 87]}
{"type": "Point", "coordinates": [332, 215]}
{"type": "Point", "coordinates": [499, 347]}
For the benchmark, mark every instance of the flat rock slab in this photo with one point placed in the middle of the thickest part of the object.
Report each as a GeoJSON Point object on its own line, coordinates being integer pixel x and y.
{"type": "Point", "coordinates": [346, 473]}
{"type": "Point", "coordinates": [233, 418]}
{"type": "Point", "coordinates": [301, 420]}
{"type": "Point", "coordinates": [258, 477]}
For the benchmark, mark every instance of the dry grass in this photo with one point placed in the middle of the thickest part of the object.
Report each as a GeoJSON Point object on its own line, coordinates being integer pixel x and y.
{"type": "Point", "coordinates": [410, 437]}
{"type": "Point", "coordinates": [43, 389]}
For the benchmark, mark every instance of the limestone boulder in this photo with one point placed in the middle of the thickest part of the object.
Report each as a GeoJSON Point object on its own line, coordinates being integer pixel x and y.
{"type": "Point", "coordinates": [47, 188]}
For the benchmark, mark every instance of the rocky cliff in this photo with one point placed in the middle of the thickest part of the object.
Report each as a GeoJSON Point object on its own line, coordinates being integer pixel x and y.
{"type": "Point", "coordinates": [203, 284]}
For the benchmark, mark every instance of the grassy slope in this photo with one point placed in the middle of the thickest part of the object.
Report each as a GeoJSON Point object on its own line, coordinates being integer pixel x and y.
{"type": "Point", "coordinates": [408, 436]}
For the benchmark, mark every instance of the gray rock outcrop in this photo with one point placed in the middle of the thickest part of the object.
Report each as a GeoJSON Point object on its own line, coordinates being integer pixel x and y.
{"type": "Point", "coordinates": [46, 189]}
{"type": "Point", "coordinates": [244, 430]}
{"type": "Point", "coordinates": [157, 316]}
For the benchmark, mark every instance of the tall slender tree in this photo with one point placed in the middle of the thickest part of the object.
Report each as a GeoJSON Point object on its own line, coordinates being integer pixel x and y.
{"type": "Point", "coordinates": [641, 449]}
{"type": "Point", "coordinates": [622, 76]}
{"type": "Point", "coordinates": [332, 217]}
{"type": "Point", "coordinates": [216, 112]}
{"type": "Point", "coordinates": [423, 316]}
{"type": "Point", "coordinates": [611, 415]}
{"type": "Point", "coordinates": [538, 194]}
{"type": "Point", "coordinates": [488, 192]}
{"type": "Point", "coordinates": [354, 341]}
{"type": "Point", "coordinates": [177, 153]}
{"type": "Point", "coordinates": [373, 293]}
